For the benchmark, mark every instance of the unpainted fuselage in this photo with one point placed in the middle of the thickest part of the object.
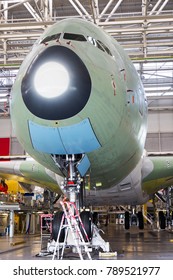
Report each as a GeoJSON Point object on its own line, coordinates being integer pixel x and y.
{"type": "Point", "coordinates": [101, 113]}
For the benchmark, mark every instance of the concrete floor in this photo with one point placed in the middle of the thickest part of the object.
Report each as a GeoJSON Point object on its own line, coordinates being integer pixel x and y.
{"type": "Point", "coordinates": [133, 244]}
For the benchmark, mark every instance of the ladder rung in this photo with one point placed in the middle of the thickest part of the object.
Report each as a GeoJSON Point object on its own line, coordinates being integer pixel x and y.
{"type": "Point", "coordinates": [69, 209]}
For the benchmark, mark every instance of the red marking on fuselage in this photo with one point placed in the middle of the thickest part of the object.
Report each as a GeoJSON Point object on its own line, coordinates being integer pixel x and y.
{"type": "Point", "coordinates": [113, 85]}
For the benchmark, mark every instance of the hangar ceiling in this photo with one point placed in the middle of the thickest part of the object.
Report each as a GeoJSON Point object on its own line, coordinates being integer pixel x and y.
{"type": "Point", "coordinates": [143, 27]}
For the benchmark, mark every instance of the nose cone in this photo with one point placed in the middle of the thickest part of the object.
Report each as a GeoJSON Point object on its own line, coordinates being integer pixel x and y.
{"type": "Point", "coordinates": [57, 84]}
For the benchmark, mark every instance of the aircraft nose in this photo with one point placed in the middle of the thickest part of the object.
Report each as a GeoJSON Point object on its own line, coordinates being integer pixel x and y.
{"type": "Point", "coordinates": [57, 84]}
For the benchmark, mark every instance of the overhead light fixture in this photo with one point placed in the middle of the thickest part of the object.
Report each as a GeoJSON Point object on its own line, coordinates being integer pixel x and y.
{"type": "Point", "coordinates": [3, 94]}
{"type": "Point", "coordinates": [3, 100]}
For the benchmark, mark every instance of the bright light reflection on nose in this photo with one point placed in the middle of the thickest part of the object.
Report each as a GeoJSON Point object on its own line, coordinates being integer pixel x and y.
{"type": "Point", "coordinates": [51, 79]}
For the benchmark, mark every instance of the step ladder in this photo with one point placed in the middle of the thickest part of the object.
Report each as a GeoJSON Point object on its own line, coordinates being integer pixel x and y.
{"type": "Point", "coordinates": [72, 223]}
{"type": "Point", "coordinates": [46, 230]}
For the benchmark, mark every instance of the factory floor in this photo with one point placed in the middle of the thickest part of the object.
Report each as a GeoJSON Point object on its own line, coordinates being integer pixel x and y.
{"type": "Point", "coordinates": [134, 244]}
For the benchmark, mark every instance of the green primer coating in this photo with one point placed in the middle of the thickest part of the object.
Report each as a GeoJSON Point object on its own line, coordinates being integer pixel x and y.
{"type": "Point", "coordinates": [161, 176]}
{"type": "Point", "coordinates": [117, 113]}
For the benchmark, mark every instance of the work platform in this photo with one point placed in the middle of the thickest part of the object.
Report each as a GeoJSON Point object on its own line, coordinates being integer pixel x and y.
{"type": "Point", "coordinates": [133, 244]}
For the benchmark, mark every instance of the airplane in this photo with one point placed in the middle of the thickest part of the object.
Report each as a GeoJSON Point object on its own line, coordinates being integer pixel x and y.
{"type": "Point", "coordinates": [79, 110]}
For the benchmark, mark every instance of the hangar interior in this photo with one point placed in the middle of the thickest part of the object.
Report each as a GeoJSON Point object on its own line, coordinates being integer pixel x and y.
{"type": "Point", "coordinates": [143, 27]}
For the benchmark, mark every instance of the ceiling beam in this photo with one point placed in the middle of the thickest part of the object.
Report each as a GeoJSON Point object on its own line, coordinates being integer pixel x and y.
{"type": "Point", "coordinates": [95, 10]}
{"type": "Point", "coordinates": [162, 7]}
{"type": "Point", "coordinates": [114, 10]}
{"type": "Point", "coordinates": [144, 7]}
{"type": "Point", "coordinates": [155, 7]}
{"type": "Point", "coordinates": [80, 9]}
{"type": "Point", "coordinates": [105, 9]}
{"type": "Point", "coordinates": [32, 12]}
{"type": "Point", "coordinates": [14, 6]}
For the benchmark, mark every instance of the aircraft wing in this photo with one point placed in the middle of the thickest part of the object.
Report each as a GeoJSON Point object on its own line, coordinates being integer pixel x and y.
{"type": "Point", "coordinates": [30, 172]}
{"type": "Point", "coordinates": [157, 173]}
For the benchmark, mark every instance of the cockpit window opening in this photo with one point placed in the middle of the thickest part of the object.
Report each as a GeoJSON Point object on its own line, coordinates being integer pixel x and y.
{"type": "Point", "coordinates": [106, 48]}
{"type": "Point", "coordinates": [92, 41]}
{"type": "Point", "coordinates": [74, 37]}
{"type": "Point", "coordinates": [78, 37]}
{"type": "Point", "coordinates": [51, 38]}
{"type": "Point", "coordinates": [99, 45]}
{"type": "Point", "coordinates": [95, 43]}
